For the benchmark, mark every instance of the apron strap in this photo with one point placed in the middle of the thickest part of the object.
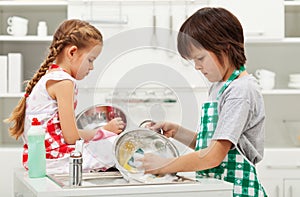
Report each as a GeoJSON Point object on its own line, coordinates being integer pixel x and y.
{"type": "Point", "coordinates": [232, 77]}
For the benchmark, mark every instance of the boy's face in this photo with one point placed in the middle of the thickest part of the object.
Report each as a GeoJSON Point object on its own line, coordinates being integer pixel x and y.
{"type": "Point", "coordinates": [84, 62]}
{"type": "Point", "coordinates": [207, 62]}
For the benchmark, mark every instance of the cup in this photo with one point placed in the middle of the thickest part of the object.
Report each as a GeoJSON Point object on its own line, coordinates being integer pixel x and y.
{"type": "Point", "coordinates": [13, 20]}
{"type": "Point", "coordinates": [17, 26]}
{"type": "Point", "coordinates": [266, 78]}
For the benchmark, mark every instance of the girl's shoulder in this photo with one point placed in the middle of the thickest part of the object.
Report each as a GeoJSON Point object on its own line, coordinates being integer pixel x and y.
{"type": "Point", "coordinates": [58, 75]}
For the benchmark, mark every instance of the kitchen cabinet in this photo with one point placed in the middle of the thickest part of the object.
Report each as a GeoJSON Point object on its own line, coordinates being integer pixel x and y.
{"type": "Point", "coordinates": [256, 23]}
{"type": "Point", "coordinates": [291, 187]}
{"type": "Point", "coordinates": [44, 187]}
{"type": "Point", "coordinates": [11, 158]}
{"type": "Point", "coordinates": [273, 187]}
{"type": "Point", "coordinates": [32, 47]}
{"type": "Point", "coordinates": [292, 17]}
{"type": "Point", "coordinates": [282, 57]}
{"type": "Point", "coordinates": [279, 172]}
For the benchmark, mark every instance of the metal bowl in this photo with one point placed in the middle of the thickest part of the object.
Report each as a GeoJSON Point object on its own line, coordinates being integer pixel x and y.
{"type": "Point", "coordinates": [98, 115]}
{"type": "Point", "coordinates": [139, 141]}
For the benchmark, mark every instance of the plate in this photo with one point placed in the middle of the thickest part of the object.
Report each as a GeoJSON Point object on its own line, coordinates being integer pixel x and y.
{"type": "Point", "coordinates": [294, 85]}
{"type": "Point", "coordinates": [294, 78]}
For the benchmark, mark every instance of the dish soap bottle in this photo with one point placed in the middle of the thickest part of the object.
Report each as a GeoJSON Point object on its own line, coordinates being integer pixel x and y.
{"type": "Point", "coordinates": [36, 150]}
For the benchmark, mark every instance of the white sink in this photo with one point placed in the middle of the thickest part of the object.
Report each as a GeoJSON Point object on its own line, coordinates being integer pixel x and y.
{"type": "Point", "coordinates": [113, 178]}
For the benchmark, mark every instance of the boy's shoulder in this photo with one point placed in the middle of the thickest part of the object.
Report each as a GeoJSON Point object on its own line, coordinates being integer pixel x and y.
{"type": "Point", "coordinates": [245, 86]}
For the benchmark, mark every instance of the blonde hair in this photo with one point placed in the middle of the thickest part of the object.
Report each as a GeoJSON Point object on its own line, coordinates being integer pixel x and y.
{"type": "Point", "coordinates": [70, 32]}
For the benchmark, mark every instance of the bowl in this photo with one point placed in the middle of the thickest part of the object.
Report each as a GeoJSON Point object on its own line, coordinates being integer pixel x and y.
{"type": "Point", "coordinates": [133, 144]}
{"type": "Point", "coordinates": [98, 115]}
{"type": "Point", "coordinates": [293, 130]}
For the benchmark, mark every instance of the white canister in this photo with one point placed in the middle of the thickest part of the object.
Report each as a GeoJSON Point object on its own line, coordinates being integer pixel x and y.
{"type": "Point", "coordinates": [42, 29]}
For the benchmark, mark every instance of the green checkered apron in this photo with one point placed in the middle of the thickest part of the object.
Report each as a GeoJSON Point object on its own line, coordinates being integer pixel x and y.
{"type": "Point", "coordinates": [235, 167]}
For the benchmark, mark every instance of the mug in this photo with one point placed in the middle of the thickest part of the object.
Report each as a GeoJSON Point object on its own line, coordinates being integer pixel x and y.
{"type": "Point", "coordinates": [17, 30]}
{"type": "Point", "coordinates": [18, 26]}
{"type": "Point", "coordinates": [16, 20]}
{"type": "Point", "coordinates": [266, 78]}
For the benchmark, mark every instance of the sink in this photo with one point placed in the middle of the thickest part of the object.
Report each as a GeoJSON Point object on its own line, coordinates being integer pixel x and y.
{"type": "Point", "coordinates": [110, 179]}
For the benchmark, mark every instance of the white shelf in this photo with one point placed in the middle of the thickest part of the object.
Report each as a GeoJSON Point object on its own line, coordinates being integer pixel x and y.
{"type": "Point", "coordinates": [26, 38]}
{"type": "Point", "coordinates": [292, 3]}
{"type": "Point", "coordinates": [33, 3]}
{"type": "Point", "coordinates": [291, 40]}
{"type": "Point", "coordinates": [12, 95]}
{"type": "Point", "coordinates": [281, 92]}
{"type": "Point", "coordinates": [287, 40]}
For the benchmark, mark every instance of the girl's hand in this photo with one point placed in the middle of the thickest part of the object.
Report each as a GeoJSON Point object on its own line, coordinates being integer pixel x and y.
{"type": "Point", "coordinates": [153, 164]}
{"type": "Point", "coordinates": [115, 125]}
{"type": "Point", "coordinates": [169, 129]}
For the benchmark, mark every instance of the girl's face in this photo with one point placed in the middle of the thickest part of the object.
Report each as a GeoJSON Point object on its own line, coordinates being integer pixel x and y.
{"type": "Point", "coordinates": [83, 61]}
{"type": "Point", "coordinates": [207, 62]}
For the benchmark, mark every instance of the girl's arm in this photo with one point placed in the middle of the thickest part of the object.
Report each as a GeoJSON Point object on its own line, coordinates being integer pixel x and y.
{"type": "Point", "coordinates": [63, 92]}
{"type": "Point", "coordinates": [203, 159]}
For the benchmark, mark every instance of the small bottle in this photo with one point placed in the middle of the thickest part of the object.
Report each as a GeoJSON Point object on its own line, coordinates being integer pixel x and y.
{"type": "Point", "coordinates": [75, 169]}
{"type": "Point", "coordinates": [36, 150]}
{"type": "Point", "coordinates": [75, 165]}
{"type": "Point", "coordinates": [42, 29]}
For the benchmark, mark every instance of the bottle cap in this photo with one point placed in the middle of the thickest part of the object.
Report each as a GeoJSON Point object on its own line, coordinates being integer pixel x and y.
{"type": "Point", "coordinates": [35, 121]}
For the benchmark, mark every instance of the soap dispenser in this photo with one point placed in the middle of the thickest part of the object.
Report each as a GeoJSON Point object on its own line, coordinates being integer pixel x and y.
{"type": "Point", "coordinates": [75, 165]}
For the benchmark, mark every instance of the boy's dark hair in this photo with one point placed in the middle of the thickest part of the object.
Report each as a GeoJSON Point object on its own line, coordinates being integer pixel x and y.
{"type": "Point", "coordinates": [216, 30]}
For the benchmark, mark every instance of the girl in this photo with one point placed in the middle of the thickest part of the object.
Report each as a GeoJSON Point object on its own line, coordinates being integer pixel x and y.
{"type": "Point", "coordinates": [231, 134]}
{"type": "Point", "coordinates": [50, 96]}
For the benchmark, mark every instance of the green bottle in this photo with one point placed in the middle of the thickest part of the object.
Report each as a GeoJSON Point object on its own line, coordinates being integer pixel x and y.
{"type": "Point", "coordinates": [36, 150]}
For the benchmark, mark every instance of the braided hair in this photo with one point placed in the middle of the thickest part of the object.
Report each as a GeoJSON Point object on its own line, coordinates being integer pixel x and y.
{"type": "Point", "coordinates": [70, 32]}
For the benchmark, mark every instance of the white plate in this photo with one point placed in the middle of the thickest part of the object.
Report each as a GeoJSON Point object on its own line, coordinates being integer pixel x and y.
{"type": "Point", "coordinates": [294, 78]}
{"type": "Point", "coordinates": [294, 85]}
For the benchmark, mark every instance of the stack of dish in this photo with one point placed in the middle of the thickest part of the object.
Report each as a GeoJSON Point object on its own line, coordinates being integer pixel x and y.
{"type": "Point", "coordinates": [294, 81]}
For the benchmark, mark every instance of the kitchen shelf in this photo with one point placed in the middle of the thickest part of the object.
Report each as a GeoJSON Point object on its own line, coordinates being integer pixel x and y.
{"type": "Point", "coordinates": [287, 40]}
{"type": "Point", "coordinates": [291, 3]}
{"type": "Point", "coordinates": [281, 92]}
{"type": "Point", "coordinates": [33, 3]}
{"type": "Point", "coordinates": [12, 95]}
{"type": "Point", "coordinates": [31, 38]}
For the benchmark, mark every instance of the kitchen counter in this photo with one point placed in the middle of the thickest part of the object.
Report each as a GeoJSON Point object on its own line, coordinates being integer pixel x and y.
{"type": "Point", "coordinates": [45, 187]}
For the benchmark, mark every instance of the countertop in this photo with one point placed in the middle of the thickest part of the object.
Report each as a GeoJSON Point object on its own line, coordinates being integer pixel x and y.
{"type": "Point", "coordinates": [44, 187]}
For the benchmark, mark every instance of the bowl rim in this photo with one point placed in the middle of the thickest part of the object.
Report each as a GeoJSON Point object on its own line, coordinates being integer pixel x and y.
{"type": "Point", "coordinates": [118, 165]}
{"type": "Point", "coordinates": [102, 105]}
